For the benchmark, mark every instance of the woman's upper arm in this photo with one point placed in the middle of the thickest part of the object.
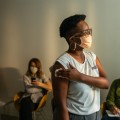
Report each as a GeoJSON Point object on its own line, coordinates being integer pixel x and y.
{"type": "Point", "coordinates": [60, 87]}
{"type": "Point", "coordinates": [100, 68]}
{"type": "Point", "coordinates": [26, 81]}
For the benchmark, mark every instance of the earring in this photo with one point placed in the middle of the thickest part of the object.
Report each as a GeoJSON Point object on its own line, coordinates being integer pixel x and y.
{"type": "Point", "coordinates": [73, 46]}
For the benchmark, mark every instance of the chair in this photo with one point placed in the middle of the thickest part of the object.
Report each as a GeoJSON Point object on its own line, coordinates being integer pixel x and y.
{"type": "Point", "coordinates": [42, 102]}
{"type": "Point", "coordinates": [16, 100]}
{"type": "Point", "coordinates": [103, 108]}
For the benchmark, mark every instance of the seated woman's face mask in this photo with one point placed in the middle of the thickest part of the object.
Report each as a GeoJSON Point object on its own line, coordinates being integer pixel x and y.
{"type": "Point", "coordinates": [33, 69]}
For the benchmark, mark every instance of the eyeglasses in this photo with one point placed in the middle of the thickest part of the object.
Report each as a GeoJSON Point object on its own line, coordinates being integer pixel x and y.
{"type": "Point", "coordinates": [83, 33]}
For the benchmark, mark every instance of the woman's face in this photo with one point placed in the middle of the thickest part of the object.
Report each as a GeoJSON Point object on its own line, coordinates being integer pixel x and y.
{"type": "Point", "coordinates": [33, 68]}
{"type": "Point", "coordinates": [82, 26]}
{"type": "Point", "coordinates": [81, 31]}
{"type": "Point", "coordinates": [32, 64]}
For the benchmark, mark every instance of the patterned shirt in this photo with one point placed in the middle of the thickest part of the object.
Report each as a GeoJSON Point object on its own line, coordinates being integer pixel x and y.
{"type": "Point", "coordinates": [113, 97]}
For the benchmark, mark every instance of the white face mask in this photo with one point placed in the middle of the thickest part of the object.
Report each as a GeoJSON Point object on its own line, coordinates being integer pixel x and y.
{"type": "Point", "coordinates": [86, 41]}
{"type": "Point", "coordinates": [33, 69]}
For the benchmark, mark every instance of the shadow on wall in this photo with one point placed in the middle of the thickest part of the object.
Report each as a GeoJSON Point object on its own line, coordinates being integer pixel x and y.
{"type": "Point", "coordinates": [10, 83]}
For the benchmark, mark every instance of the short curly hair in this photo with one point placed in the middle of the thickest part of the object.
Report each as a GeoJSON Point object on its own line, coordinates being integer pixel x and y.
{"type": "Point", "coordinates": [70, 23]}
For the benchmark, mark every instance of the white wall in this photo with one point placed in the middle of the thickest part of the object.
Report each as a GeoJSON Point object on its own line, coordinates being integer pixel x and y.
{"type": "Point", "coordinates": [30, 28]}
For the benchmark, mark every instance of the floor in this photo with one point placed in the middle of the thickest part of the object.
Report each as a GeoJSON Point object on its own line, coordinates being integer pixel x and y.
{"type": "Point", "coordinates": [9, 112]}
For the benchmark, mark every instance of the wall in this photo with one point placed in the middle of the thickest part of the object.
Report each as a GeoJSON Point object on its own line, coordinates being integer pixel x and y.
{"type": "Point", "coordinates": [31, 29]}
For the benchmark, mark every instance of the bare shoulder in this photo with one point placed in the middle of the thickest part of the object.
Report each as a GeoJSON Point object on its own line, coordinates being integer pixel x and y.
{"type": "Point", "coordinates": [102, 72]}
{"type": "Point", "coordinates": [56, 66]}
{"type": "Point", "coordinates": [54, 77]}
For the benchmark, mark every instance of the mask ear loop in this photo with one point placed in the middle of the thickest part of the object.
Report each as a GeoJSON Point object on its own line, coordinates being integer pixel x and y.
{"type": "Point", "coordinates": [73, 46]}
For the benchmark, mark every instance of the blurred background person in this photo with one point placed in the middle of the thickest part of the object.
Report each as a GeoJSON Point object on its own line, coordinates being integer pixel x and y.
{"type": "Point", "coordinates": [113, 101]}
{"type": "Point", "coordinates": [35, 82]}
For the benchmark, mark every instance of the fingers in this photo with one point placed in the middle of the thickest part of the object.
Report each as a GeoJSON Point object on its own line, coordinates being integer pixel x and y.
{"type": "Point", "coordinates": [71, 66]}
{"type": "Point", "coordinates": [115, 110]}
{"type": "Point", "coordinates": [35, 82]}
{"type": "Point", "coordinates": [57, 72]}
{"type": "Point", "coordinates": [62, 73]}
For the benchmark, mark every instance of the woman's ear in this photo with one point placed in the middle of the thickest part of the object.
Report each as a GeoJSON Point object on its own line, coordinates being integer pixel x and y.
{"type": "Point", "coordinates": [71, 39]}
{"type": "Point", "coordinates": [72, 46]}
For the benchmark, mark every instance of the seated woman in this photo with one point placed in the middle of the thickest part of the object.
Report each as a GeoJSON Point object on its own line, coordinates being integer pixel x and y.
{"type": "Point", "coordinates": [113, 101]}
{"type": "Point", "coordinates": [35, 82]}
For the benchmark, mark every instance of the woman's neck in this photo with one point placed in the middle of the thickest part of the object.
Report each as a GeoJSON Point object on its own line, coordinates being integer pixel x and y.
{"type": "Point", "coordinates": [78, 55]}
{"type": "Point", "coordinates": [33, 75]}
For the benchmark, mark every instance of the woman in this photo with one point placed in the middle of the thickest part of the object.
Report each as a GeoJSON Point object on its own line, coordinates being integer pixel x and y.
{"type": "Point", "coordinates": [35, 83]}
{"type": "Point", "coordinates": [77, 76]}
{"type": "Point", "coordinates": [113, 101]}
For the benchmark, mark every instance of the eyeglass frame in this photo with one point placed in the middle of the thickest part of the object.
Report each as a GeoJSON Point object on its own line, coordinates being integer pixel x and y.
{"type": "Point", "coordinates": [76, 34]}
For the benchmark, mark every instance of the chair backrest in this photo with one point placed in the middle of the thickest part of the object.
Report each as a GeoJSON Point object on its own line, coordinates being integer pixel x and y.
{"type": "Point", "coordinates": [16, 99]}
{"type": "Point", "coordinates": [103, 108]}
{"type": "Point", "coordinates": [43, 100]}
